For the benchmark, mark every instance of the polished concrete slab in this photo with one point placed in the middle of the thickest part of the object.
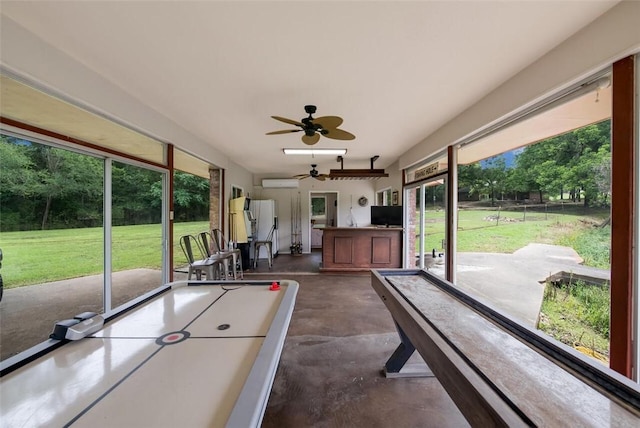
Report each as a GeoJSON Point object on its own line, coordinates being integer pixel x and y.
{"type": "Point", "coordinates": [330, 372]}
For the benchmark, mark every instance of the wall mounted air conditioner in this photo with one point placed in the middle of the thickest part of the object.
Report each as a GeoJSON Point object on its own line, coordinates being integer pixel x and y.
{"type": "Point", "coordinates": [280, 183]}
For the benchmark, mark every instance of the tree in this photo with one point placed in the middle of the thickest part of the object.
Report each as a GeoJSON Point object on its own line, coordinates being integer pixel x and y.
{"type": "Point", "coordinates": [578, 160]}
{"type": "Point", "coordinates": [17, 178]}
{"type": "Point", "coordinates": [191, 196]}
{"type": "Point", "coordinates": [486, 177]}
{"type": "Point", "coordinates": [17, 175]}
{"type": "Point", "coordinates": [35, 178]}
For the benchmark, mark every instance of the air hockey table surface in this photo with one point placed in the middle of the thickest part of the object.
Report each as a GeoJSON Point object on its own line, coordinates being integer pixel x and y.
{"type": "Point", "coordinates": [200, 354]}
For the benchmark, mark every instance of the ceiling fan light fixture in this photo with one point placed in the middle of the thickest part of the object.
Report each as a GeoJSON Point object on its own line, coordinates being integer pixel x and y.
{"type": "Point", "coordinates": [315, 152]}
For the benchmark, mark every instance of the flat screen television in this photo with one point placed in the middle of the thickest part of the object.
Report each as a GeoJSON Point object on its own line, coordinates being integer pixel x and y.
{"type": "Point", "coordinates": [386, 215]}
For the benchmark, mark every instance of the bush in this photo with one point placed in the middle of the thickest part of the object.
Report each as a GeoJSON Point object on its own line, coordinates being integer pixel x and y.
{"type": "Point", "coordinates": [593, 244]}
{"type": "Point", "coordinates": [596, 305]}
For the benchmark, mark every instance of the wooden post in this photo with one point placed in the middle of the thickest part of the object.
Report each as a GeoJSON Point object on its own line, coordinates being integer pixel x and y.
{"type": "Point", "coordinates": [622, 213]}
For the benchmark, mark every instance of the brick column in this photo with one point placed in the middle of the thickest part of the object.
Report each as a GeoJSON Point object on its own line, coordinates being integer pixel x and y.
{"type": "Point", "coordinates": [215, 193]}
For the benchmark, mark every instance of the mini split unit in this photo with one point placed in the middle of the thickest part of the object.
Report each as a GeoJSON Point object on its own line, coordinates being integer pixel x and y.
{"type": "Point", "coordinates": [280, 183]}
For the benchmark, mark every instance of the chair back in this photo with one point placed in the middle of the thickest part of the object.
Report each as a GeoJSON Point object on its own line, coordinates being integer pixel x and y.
{"type": "Point", "coordinates": [188, 243]}
{"type": "Point", "coordinates": [207, 243]}
{"type": "Point", "coordinates": [270, 235]}
{"type": "Point", "coordinates": [218, 240]}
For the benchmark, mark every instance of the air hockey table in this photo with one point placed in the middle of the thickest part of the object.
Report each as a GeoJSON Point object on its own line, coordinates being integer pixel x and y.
{"type": "Point", "coordinates": [499, 372]}
{"type": "Point", "coordinates": [200, 354]}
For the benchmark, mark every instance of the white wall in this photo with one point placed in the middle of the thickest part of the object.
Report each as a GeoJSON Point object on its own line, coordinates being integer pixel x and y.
{"type": "Point", "coordinates": [611, 37]}
{"type": "Point", "coordinates": [349, 191]}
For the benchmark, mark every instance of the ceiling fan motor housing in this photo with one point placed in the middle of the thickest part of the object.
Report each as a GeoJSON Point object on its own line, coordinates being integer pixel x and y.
{"type": "Point", "coordinates": [326, 126]}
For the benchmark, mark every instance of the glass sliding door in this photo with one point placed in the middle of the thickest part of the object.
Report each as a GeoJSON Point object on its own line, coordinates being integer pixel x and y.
{"type": "Point", "coordinates": [136, 232]}
{"type": "Point", "coordinates": [425, 223]}
{"type": "Point", "coordinates": [51, 237]}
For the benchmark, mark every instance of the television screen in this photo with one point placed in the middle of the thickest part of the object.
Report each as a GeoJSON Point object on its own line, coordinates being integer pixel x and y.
{"type": "Point", "coordinates": [386, 215]}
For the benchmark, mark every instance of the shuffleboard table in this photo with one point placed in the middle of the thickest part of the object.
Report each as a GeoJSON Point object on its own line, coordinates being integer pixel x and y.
{"type": "Point", "coordinates": [499, 373]}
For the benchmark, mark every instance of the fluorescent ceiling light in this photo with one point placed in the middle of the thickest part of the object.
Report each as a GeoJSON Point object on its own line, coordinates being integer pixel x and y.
{"type": "Point", "coordinates": [313, 152]}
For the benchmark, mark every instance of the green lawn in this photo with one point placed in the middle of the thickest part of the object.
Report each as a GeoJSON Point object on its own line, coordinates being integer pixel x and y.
{"type": "Point", "coordinates": [50, 255]}
{"type": "Point", "coordinates": [39, 256]}
{"type": "Point", "coordinates": [476, 233]}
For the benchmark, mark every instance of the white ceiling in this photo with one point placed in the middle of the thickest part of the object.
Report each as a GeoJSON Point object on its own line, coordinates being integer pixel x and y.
{"type": "Point", "coordinates": [394, 71]}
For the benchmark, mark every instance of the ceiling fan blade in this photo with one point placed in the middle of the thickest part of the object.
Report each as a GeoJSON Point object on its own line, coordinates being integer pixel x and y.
{"type": "Point", "coordinates": [328, 122]}
{"type": "Point", "coordinates": [311, 140]}
{"type": "Point", "coordinates": [289, 121]}
{"type": "Point", "coordinates": [301, 176]}
{"type": "Point", "coordinates": [320, 177]}
{"type": "Point", "coordinates": [339, 134]}
{"type": "Point", "coordinates": [284, 131]}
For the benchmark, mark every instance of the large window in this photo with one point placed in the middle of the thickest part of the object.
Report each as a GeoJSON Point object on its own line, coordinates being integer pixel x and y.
{"type": "Point", "coordinates": [64, 250]}
{"type": "Point", "coordinates": [533, 217]}
{"type": "Point", "coordinates": [534, 235]}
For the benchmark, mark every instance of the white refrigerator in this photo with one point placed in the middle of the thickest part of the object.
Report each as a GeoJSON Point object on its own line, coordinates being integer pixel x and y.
{"type": "Point", "coordinates": [266, 216]}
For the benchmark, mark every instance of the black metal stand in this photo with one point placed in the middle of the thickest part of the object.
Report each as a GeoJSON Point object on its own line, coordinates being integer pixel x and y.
{"type": "Point", "coordinates": [396, 365]}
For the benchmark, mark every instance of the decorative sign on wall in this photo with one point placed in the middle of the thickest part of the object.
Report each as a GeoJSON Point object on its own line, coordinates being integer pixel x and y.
{"type": "Point", "coordinates": [426, 172]}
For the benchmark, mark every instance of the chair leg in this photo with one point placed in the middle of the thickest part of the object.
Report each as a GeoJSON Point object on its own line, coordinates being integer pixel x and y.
{"type": "Point", "coordinates": [233, 268]}
{"type": "Point", "coordinates": [224, 273]}
{"type": "Point", "coordinates": [238, 260]}
{"type": "Point", "coordinates": [256, 253]}
{"type": "Point", "coordinates": [211, 272]}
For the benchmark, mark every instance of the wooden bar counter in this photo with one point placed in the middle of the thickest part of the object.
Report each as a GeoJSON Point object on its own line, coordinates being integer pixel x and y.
{"type": "Point", "coordinates": [360, 249]}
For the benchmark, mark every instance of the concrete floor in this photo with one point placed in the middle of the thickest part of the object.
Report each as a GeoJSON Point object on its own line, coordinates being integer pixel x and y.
{"type": "Point", "coordinates": [330, 370]}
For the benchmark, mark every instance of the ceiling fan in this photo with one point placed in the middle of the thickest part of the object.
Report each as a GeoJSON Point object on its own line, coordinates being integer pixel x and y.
{"type": "Point", "coordinates": [314, 127]}
{"type": "Point", "coordinates": [313, 173]}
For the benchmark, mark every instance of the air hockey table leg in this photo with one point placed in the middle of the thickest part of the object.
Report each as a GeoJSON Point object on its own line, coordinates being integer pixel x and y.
{"type": "Point", "coordinates": [396, 365]}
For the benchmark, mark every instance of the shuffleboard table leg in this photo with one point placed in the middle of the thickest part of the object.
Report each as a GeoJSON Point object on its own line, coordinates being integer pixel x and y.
{"type": "Point", "coordinates": [396, 365]}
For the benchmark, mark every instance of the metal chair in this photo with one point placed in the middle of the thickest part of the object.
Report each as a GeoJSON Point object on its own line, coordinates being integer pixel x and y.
{"type": "Point", "coordinates": [267, 243]}
{"type": "Point", "coordinates": [197, 265]}
{"type": "Point", "coordinates": [219, 247]}
{"type": "Point", "coordinates": [208, 245]}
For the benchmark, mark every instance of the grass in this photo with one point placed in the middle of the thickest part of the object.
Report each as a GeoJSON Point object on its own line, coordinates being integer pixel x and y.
{"type": "Point", "coordinates": [51, 255]}
{"type": "Point", "coordinates": [592, 243]}
{"type": "Point", "coordinates": [40, 256]}
{"type": "Point", "coordinates": [478, 234]}
{"type": "Point", "coordinates": [577, 315]}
